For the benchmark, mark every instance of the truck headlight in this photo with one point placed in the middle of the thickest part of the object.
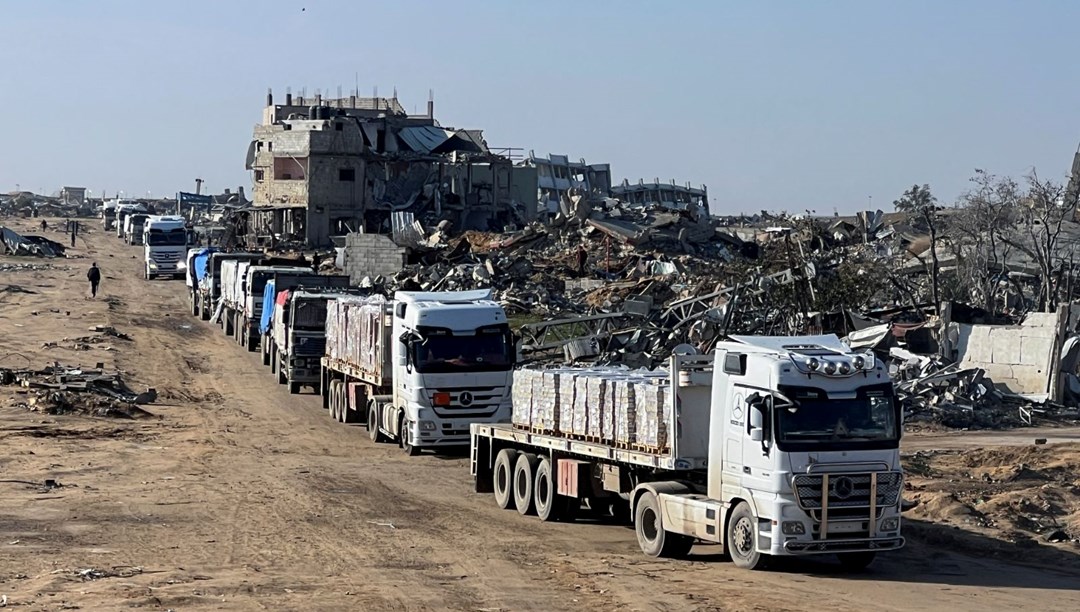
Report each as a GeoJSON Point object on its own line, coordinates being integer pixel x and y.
{"type": "Point", "coordinates": [153, 265]}
{"type": "Point", "coordinates": [182, 265]}
{"type": "Point", "coordinates": [890, 524]}
{"type": "Point", "coordinates": [793, 528]}
{"type": "Point", "coordinates": [427, 425]}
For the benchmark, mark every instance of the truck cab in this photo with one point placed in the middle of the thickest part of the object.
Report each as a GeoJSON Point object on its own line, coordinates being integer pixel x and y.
{"type": "Point", "coordinates": [166, 243]}
{"type": "Point", "coordinates": [453, 360]}
{"type": "Point", "coordinates": [133, 228]}
{"type": "Point", "coordinates": [125, 208]}
{"type": "Point", "coordinates": [803, 455]}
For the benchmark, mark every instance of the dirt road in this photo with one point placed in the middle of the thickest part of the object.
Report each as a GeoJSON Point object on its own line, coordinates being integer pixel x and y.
{"type": "Point", "coordinates": [238, 496]}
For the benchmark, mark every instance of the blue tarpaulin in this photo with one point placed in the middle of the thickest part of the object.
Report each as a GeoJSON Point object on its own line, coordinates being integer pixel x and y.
{"type": "Point", "coordinates": [269, 297]}
{"type": "Point", "coordinates": [200, 262]}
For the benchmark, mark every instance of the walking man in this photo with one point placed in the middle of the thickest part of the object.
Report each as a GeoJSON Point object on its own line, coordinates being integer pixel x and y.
{"type": "Point", "coordinates": [74, 232]}
{"type": "Point", "coordinates": [44, 225]}
{"type": "Point", "coordinates": [94, 276]}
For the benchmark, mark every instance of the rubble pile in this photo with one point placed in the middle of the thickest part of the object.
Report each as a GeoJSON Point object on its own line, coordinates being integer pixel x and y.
{"type": "Point", "coordinates": [14, 243]}
{"type": "Point", "coordinates": [64, 390]}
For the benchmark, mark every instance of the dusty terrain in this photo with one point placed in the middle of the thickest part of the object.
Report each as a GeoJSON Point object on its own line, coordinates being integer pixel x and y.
{"type": "Point", "coordinates": [235, 495]}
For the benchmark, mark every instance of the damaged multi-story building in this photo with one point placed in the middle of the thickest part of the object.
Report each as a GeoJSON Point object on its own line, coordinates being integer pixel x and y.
{"type": "Point", "coordinates": [670, 195]}
{"type": "Point", "coordinates": [557, 176]}
{"type": "Point", "coordinates": [323, 168]}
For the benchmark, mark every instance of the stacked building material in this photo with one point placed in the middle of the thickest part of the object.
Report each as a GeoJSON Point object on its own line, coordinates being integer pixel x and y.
{"type": "Point", "coordinates": [611, 404]}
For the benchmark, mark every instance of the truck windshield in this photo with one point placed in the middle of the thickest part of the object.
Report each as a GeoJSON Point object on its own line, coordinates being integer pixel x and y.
{"type": "Point", "coordinates": [872, 418]}
{"type": "Point", "coordinates": [440, 351]}
{"type": "Point", "coordinates": [177, 237]}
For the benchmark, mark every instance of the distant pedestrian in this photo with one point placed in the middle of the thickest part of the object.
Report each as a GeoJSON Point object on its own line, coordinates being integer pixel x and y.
{"type": "Point", "coordinates": [94, 276]}
{"type": "Point", "coordinates": [582, 259]}
{"type": "Point", "coordinates": [74, 232]}
{"type": "Point", "coordinates": [44, 225]}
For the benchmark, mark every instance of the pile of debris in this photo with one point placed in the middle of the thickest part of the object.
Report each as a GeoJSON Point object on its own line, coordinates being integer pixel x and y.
{"type": "Point", "coordinates": [65, 390]}
{"type": "Point", "coordinates": [14, 243]}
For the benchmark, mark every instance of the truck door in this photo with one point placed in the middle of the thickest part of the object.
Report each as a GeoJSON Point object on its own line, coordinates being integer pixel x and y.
{"type": "Point", "coordinates": [756, 454]}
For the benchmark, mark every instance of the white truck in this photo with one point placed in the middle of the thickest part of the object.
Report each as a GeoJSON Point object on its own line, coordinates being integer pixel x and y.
{"type": "Point", "coordinates": [772, 446]}
{"type": "Point", "coordinates": [243, 297]}
{"type": "Point", "coordinates": [124, 209]}
{"type": "Point", "coordinates": [421, 368]}
{"type": "Point", "coordinates": [166, 240]}
{"type": "Point", "coordinates": [133, 228]}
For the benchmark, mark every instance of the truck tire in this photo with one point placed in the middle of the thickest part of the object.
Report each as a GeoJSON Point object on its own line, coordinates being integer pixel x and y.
{"type": "Point", "coordinates": [403, 439]}
{"type": "Point", "coordinates": [741, 540]}
{"type": "Point", "coordinates": [550, 506]}
{"type": "Point", "coordinates": [294, 388]}
{"type": "Point", "coordinates": [273, 362]}
{"type": "Point", "coordinates": [265, 350]}
{"type": "Point", "coordinates": [503, 477]}
{"type": "Point", "coordinates": [281, 379]}
{"type": "Point", "coordinates": [524, 481]}
{"type": "Point", "coordinates": [335, 398]}
{"type": "Point", "coordinates": [856, 561]}
{"type": "Point", "coordinates": [373, 421]}
{"type": "Point", "coordinates": [653, 539]}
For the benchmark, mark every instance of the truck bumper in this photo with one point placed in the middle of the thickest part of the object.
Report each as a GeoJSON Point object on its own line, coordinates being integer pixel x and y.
{"type": "Point", "coordinates": [447, 432]}
{"type": "Point", "coordinates": [808, 547]}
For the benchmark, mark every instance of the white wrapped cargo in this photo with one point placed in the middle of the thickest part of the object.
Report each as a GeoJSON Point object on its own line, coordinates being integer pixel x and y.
{"type": "Point", "coordinates": [625, 411]}
{"type": "Point", "coordinates": [652, 413]}
{"type": "Point", "coordinates": [579, 425]}
{"type": "Point", "coordinates": [567, 403]}
{"type": "Point", "coordinates": [521, 396]}
{"type": "Point", "coordinates": [595, 387]}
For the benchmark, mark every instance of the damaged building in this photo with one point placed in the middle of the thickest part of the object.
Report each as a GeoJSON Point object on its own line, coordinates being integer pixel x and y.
{"type": "Point", "coordinates": [324, 168]}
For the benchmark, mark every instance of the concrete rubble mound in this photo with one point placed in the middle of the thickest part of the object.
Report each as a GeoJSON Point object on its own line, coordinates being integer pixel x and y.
{"type": "Point", "coordinates": [14, 243]}
{"type": "Point", "coordinates": [58, 389]}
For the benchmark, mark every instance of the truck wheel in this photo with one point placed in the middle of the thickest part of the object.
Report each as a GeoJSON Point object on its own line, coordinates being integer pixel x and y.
{"type": "Point", "coordinates": [294, 388]}
{"type": "Point", "coordinates": [503, 477]}
{"type": "Point", "coordinates": [281, 379]}
{"type": "Point", "coordinates": [653, 539]}
{"type": "Point", "coordinates": [273, 362]}
{"type": "Point", "coordinates": [550, 506]}
{"type": "Point", "coordinates": [742, 539]}
{"type": "Point", "coordinates": [524, 481]}
{"type": "Point", "coordinates": [373, 423]}
{"type": "Point", "coordinates": [265, 354]}
{"type": "Point", "coordinates": [404, 441]}
{"type": "Point", "coordinates": [856, 561]}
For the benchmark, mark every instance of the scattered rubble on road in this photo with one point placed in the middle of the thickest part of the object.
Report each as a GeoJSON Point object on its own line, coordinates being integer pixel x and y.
{"type": "Point", "coordinates": [61, 390]}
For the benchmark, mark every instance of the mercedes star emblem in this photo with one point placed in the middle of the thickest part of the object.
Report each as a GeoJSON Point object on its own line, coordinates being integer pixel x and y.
{"type": "Point", "coordinates": [465, 398]}
{"type": "Point", "coordinates": [843, 487]}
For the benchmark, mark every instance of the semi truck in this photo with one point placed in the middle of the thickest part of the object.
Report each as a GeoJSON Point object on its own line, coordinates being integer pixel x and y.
{"type": "Point", "coordinates": [166, 240]}
{"type": "Point", "coordinates": [196, 264]}
{"type": "Point", "coordinates": [421, 368]}
{"type": "Point", "coordinates": [293, 328]}
{"type": "Point", "coordinates": [244, 299]}
{"type": "Point", "coordinates": [133, 228]}
{"type": "Point", "coordinates": [770, 446]}
{"type": "Point", "coordinates": [205, 286]}
{"type": "Point", "coordinates": [125, 209]}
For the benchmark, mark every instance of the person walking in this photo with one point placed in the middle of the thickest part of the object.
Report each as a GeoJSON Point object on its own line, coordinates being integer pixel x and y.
{"type": "Point", "coordinates": [44, 225]}
{"type": "Point", "coordinates": [94, 276]}
{"type": "Point", "coordinates": [74, 232]}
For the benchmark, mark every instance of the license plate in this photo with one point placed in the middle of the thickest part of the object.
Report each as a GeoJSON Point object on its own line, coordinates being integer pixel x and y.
{"type": "Point", "coordinates": [845, 527]}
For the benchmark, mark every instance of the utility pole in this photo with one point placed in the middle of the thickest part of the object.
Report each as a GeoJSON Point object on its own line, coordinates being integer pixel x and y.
{"type": "Point", "coordinates": [198, 186]}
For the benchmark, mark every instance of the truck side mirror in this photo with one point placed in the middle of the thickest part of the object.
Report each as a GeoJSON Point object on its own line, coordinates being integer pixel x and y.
{"type": "Point", "coordinates": [756, 432]}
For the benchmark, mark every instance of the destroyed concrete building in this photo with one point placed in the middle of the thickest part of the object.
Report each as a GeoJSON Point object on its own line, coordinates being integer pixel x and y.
{"type": "Point", "coordinates": [668, 195]}
{"type": "Point", "coordinates": [75, 196]}
{"type": "Point", "coordinates": [556, 174]}
{"type": "Point", "coordinates": [323, 168]}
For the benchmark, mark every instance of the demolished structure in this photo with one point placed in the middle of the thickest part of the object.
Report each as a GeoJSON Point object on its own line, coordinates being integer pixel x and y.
{"type": "Point", "coordinates": [323, 168]}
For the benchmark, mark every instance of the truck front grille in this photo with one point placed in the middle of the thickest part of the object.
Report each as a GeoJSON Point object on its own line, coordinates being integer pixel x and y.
{"type": "Point", "coordinates": [469, 401]}
{"type": "Point", "coordinates": [848, 494]}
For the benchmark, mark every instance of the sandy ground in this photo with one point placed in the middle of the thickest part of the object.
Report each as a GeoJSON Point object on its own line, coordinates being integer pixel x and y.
{"type": "Point", "coordinates": [237, 496]}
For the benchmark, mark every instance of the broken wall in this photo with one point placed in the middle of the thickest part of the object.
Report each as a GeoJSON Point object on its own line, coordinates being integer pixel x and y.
{"type": "Point", "coordinates": [1020, 358]}
{"type": "Point", "coordinates": [371, 255]}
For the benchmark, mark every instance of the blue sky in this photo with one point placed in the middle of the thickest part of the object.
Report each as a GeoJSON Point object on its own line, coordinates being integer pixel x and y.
{"type": "Point", "coordinates": [773, 105]}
